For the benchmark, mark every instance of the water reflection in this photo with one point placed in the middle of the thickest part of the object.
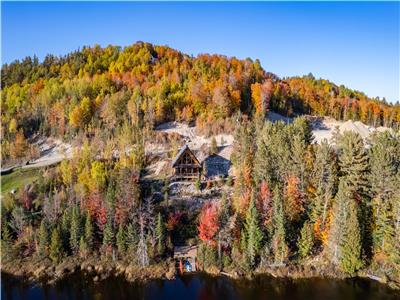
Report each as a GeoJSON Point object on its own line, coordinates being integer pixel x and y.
{"type": "Point", "coordinates": [198, 286]}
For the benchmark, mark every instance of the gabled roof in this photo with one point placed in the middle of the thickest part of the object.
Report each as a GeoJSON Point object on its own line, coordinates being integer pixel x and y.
{"type": "Point", "coordinates": [181, 152]}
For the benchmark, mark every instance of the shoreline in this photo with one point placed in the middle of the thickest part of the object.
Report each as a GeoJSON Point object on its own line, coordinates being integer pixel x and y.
{"type": "Point", "coordinates": [98, 269]}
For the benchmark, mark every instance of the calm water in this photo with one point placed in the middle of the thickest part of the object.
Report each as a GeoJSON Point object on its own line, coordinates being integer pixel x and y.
{"type": "Point", "coordinates": [199, 286]}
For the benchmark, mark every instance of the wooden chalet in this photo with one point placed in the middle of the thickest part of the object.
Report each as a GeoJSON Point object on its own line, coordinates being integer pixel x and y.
{"type": "Point", "coordinates": [186, 165]}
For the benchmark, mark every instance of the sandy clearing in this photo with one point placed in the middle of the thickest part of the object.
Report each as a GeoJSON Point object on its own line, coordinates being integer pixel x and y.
{"type": "Point", "coordinates": [325, 127]}
{"type": "Point", "coordinates": [52, 151]}
{"type": "Point", "coordinates": [194, 141]}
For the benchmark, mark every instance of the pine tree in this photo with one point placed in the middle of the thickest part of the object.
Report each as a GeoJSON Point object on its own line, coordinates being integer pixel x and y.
{"type": "Point", "coordinates": [160, 234]}
{"type": "Point", "coordinates": [131, 238]}
{"type": "Point", "coordinates": [298, 165]}
{"type": "Point", "coordinates": [65, 228]}
{"type": "Point", "coordinates": [383, 162]}
{"type": "Point", "coordinates": [43, 238]}
{"type": "Point", "coordinates": [75, 230]}
{"type": "Point", "coordinates": [325, 181]}
{"type": "Point", "coordinates": [345, 235]}
{"type": "Point", "coordinates": [351, 245]}
{"type": "Point", "coordinates": [108, 235]}
{"type": "Point", "coordinates": [121, 240]}
{"type": "Point", "coordinates": [254, 235]}
{"type": "Point", "coordinates": [83, 247]}
{"type": "Point", "coordinates": [354, 168]}
{"type": "Point", "coordinates": [279, 245]}
{"type": "Point", "coordinates": [306, 241]}
{"type": "Point", "coordinates": [302, 128]}
{"type": "Point", "coordinates": [6, 242]}
{"type": "Point", "coordinates": [56, 251]}
{"type": "Point", "coordinates": [353, 162]}
{"type": "Point", "coordinates": [393, 234]}
{"type": "Point", "coordinates": [89, 235]}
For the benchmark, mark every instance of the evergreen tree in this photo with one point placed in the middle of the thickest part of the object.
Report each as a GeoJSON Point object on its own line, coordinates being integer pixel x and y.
{"type": "Point", "coordinates": [253, 232]}
{"type": "Point", "coordinates": [351, 245]}
{"type": "Point", "coordinates": [354, 168]}
{"type": "Point", "coordinates": [298, 165]}
{"type": "Point", "coordinates": [108, 235]}
{"type": "Point", "coordinates": [345, 234]}
{"type": "Point", "coordinates": [384, 162]}
{"type": "Point", "coordinates": [325, 181]}
{"type": "Point", "coordinates": [393, 234]}
{"type": "Point", "coordinates": [56, 251]}
{"type": "Point", "coordinates": [353, 162]}
{"type": "Point", "coordinates": [43, 238]}
{"type": "Point", "coordinates": [75, 230]}
{"type": "Point", "coordinates": [65, 228]}
{"type": "Point", "coordinates": [160, 234]}
{"type": "Point", "coordinates": [121, 240]}
{"type": "Point", "coordinates": [6, 242]}
{"type": "Point", "coordinates": [83, 247]}
{"type": "Point", "coordinates": [303, 129]}
{"type": "Point", "coordinates": [306, 241]}
{"type": "Point", "coordinates": [89, 234]}
{"type": "Point", "coordinates": [131, 239]}
{"type": "Point", "coordinates": [279, 245]}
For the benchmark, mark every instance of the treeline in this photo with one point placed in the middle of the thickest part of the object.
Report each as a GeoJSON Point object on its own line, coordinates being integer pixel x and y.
{"type": "Point", "coordinates": [296, 201]}
{"type": "Point", "coordinates": [88, 205]}
{"type": "Point", "coordinates": [105, 88]}
{"type": "Point", "coordinates": [291, 201]}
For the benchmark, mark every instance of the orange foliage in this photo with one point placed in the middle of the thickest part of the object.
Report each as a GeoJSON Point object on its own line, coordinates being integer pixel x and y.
{"type": "Point", "coordinates": [264, 203]}
{"type": "Point", "coordinates": [294, 198]}
{"type": "Point", "coordinates": [208, 223]}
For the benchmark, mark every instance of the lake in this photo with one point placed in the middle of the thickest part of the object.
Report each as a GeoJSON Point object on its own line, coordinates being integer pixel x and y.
{"type": "Point", "coordinates": [198, 286]}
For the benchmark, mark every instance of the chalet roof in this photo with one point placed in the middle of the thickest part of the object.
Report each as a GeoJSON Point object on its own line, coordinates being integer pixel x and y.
{"type": "Point", "coordinates": [181, 152]}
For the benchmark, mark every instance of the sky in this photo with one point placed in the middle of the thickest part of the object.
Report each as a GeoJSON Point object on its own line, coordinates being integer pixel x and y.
{"type": "Point", "coordinates": [350, 43]}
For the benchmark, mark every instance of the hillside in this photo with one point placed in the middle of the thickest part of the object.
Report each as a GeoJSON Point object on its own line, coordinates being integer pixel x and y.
{"type": "Point", "coordinates": [145, 85]}
{"type": "Point", "coordinates": [257, 190]}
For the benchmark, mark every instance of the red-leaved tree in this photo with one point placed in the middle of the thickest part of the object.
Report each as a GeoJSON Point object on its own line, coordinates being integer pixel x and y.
{"type": "Point", "coordinates": [208, 223]}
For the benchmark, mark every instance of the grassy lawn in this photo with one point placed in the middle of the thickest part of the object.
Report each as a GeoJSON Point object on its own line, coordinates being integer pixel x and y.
{"type": "Point", "coordinates": [17, 179]}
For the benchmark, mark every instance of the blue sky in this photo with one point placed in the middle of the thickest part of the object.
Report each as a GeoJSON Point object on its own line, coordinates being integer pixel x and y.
{"type": "Point", "coordinates": [351, 43]}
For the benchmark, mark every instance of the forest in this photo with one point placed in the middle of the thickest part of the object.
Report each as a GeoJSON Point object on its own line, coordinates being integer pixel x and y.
{"type": "Point", "coordinates": [334, 205]}
{"type": "Point", "coordinates": [101, 88]}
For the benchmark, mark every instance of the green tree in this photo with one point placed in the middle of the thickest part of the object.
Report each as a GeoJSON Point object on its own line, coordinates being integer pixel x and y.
{"type": "Point", "coordinates": [56, 250]}
{"type": "Point", "coordinates": [160, 234]}
{"type": "Point", "coordinates": [131, 239]}
{"type": "Point", "coordinates": [306, 241]}
{"type": "Point", "coordinates": [108, 235]}
{"type": "Point", "coordinates": [83, 247]}
{"type": "Point", "coordinates": [75, 230]}
{"type": "Point", "coordinates": [89, 233]}
{"type": "Point", "coordinates": [279, 245]}
{"type": "Point", "coordinates": [324, 179]}
{"type": "Point", "coordinates": [6, 242]}
{"type": "Point", "coordinates": [353, 162]}
{"type": "Point", "coordinates": [43, 238]}
{"type": "Point", "coordinates": [65, 228]}
{"type": "Point", "coordinates": [121, 240]}
{"type": "Point", "coordinates": [354, 169]}
{"type": "Point", "coordinates": [254, 235]}
{"type": "Point", "coordinates": [351, 247]}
